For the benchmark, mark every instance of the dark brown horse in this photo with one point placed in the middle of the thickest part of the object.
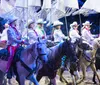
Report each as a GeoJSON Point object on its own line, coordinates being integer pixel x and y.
{"type": "Point", "coordinates": [54, 60]}
{"type": "Point", "coordinates": [82, 45]}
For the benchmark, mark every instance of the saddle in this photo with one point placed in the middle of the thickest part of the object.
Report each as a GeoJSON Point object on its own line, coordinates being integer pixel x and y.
{"type": "Point", "coordinates": [4, 54]}
{"type": "Point", "coordinates": [87, 55]}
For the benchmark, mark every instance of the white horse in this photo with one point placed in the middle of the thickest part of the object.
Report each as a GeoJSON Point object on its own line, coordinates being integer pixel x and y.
{"type": "Point", "coordinates": [27, 64]}
{"type": "Point", "coordinates": [87, 58]}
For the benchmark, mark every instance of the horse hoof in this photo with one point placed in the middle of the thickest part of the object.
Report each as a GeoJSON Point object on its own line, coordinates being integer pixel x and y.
{"type": "Point", "coordinates": [69, 83]}
{"type": "Point", "coordinates": [50, 84]}
{"type": "Point", "coordinates": [61, 80]}
{"type": "Point", "coordinates": [95, 82]}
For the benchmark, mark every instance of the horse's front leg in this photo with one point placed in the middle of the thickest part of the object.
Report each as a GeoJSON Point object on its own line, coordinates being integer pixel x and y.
{"type": "Point", "coordinates": [52, 81]}
{"type": "Point", "coordinates": [22, 80]}
{"type": "Point", "coordinates": [83, 66]}
{"type": "Point", "coordinates": [94, 69]}
{"type": "Point", "coordinates": [73, 80]}
{"type": "Point", "coordinates": [1, 77]}
{"type": "Point", "coordinates": [33, 79]}
{"type": "Point", "coordinates": [84, 70]}
{"type": "Point", "coordinates": [46, 80]}
{"type": "Point", "coordinates": [94, 78]}
{"type": "Point", "coordinates": [60, 73]}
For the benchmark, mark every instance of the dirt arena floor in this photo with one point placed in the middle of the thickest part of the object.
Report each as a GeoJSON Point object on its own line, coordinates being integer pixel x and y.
{"type": "Point", "coordinates": [66, 74]}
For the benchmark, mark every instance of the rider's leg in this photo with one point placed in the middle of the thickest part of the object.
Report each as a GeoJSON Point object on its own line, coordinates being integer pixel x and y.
{"type": "Point", "coordinates": [11, 50]}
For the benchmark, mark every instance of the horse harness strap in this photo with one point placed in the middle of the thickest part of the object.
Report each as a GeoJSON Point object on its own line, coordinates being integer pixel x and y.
{"type": "Point", "coordinates": [92, 61]}
{"type": "Point", "coordinates": [27, 68]}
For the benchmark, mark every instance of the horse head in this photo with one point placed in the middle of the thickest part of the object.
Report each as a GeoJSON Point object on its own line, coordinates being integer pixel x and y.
{"type": "Point", "coordinates": [42, 50]}
{"type": "Point", "coordinates": [82, 44]}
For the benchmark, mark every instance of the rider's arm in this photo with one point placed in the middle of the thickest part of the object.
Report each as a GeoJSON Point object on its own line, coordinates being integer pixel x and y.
{"type": "Point", "coordinates": [89, 35]}
{"type": "Point", "coordinates": [11, 37]}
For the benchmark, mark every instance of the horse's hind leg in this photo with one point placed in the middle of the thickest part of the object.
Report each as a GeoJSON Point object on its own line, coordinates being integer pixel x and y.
{"type": "Point", "coordinates": [94, 69]}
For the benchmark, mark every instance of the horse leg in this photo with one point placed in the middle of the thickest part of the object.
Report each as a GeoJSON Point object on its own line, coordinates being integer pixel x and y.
{"type": "Point", "coordinates": [60, 73]}
{"type": "Point", "coordinates": [46, 80]}
{"type": "Point", "coordinates": [30, 83]}
{"type": "Point", "coordinates": [52, 81]}
{"type": "Point", "coordinates": [83, 66]}
{"type": "Point", "coordinates": [94, 78]}
{"type": "Point", "coordinates": [84, 71]}
{"type": "Point", "coordinates": [94, 69]}
{"type": "Point", "coordinates": [9, 81]}
{"type": "Point", "coordinates": [22, 80]}
{"type": "Point", "coordinates": [39, 76]}
{"type": "Point", "coordinates": [33, 79]}
{"type": "Point", "coordinates": [2, 78]}
{"type": "Point", "coordinates": [73, 80]}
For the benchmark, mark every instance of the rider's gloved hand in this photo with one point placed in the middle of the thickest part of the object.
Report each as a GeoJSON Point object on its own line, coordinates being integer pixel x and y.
{"type": "Point", "coordinates": [43, 37]}
{"type": "Point", "coordinates": [23, 42]}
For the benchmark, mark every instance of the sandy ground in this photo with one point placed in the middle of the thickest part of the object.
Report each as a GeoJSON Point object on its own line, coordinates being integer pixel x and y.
{"type": "Point", "coordinates": [66, 74]}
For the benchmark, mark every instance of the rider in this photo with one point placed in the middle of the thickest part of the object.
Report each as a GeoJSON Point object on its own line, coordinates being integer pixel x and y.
{"type": "Point", "coordinates": [58, 36]}
{"type": "Point", "coordinates": [14, 39]}
{"type": "Point", "coordinates": [86, 34]}
{"type": "Point", "coordinates": [57, 32]}
{"type": "Point", "coordinates": [74, 33]}
{"type": "Point", "coordinates": [32, 34]}
{"type": "Point", "coordinates": [41, 33]}
{"type": "Point", "coordinates": [40, 30]}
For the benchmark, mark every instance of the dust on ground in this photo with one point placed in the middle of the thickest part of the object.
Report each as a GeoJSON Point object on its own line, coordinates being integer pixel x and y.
{"type": "Point", "coordinates": [66, 74]}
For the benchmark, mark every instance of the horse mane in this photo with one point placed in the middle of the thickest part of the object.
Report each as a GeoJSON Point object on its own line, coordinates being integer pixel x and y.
{"type": "Point", "coordinates": [96, 43]}
{"type": "Point", "coordinates": [57, 50]}
{"type": "Point", "coordinates": [30, 52]}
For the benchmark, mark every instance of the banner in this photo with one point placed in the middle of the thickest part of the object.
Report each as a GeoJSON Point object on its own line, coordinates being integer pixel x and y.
{"type": "Point", "coordinates": [71, 3]}
{"type": "Point", "coordinates": [46, 4]}
{"type": "Point", "coordinates": [6, 6]}
{"type": "Point", "coordinates": [27, 3]}
{"type": "Point", "coordinates": [92, 4]}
